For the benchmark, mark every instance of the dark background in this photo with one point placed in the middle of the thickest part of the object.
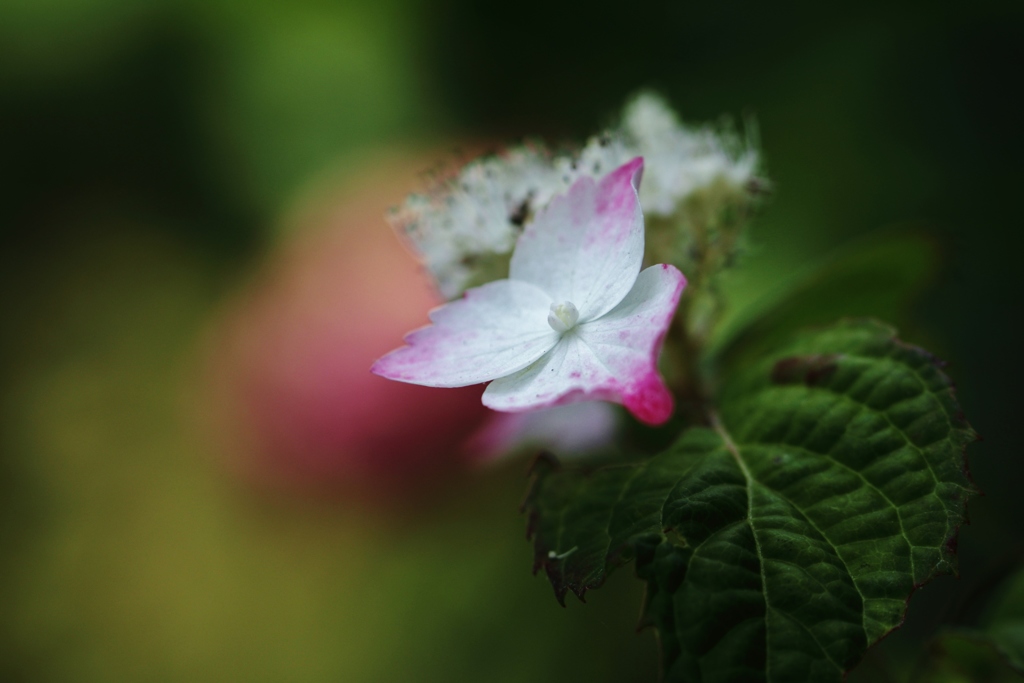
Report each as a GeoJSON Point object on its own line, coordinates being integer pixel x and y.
{"type": "Point", "coordinates": [147, 154]}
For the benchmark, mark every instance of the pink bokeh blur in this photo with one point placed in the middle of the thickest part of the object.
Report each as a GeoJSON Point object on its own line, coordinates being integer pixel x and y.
{"type": "Point", "coordinates": [293, 399]}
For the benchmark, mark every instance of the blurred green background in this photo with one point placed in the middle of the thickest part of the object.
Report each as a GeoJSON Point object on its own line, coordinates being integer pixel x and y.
{"type": "Point", "coordinates": [148, 152]}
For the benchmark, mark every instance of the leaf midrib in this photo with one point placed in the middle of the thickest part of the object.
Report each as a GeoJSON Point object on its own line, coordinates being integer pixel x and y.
{"type": "Point", "coordinates": [716, 424]}
{"type": "Point", "coordinates": [864, 406]}
{"type": "Point", "coordinates": [734, 451]}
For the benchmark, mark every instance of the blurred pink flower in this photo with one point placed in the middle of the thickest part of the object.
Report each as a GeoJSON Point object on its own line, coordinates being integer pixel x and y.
{"type": "Point", "coordinates": [292, 399]}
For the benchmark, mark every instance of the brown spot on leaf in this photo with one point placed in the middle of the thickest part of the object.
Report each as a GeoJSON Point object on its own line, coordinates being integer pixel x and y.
{"type": "Point", "coordinates": [810, 370]}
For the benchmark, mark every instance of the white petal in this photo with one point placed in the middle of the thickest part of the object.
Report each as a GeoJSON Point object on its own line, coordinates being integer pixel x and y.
{"type": "Point", "coordinates": [587, 245]}
{"type": "Point", "coordinates": [613, 358]}
{"type": "Point", "coordinates": [493, 331]}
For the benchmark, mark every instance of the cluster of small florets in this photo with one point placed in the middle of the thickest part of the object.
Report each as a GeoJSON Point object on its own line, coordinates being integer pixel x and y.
{"type": "Point", "coordinates": [466, 226]}
{"type": "Point", "coordinates": [679, 160]}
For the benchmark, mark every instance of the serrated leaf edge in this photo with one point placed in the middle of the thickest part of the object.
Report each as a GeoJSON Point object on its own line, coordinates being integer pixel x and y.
{"type": "Point", "coordinates": [547, 463]}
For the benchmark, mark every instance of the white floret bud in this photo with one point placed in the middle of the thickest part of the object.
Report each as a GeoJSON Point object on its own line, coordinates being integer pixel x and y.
{"type": "Point", "coordinates": [562, 317]}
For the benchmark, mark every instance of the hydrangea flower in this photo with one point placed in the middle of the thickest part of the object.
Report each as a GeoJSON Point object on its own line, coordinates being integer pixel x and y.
{"type": "Point", "coordinates": [465, 226]}
{"type": "Point", "coordinates": [575, 320]}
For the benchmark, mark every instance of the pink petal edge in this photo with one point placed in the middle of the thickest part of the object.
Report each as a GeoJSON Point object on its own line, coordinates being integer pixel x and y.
{"type": "Point", "coordinates": [612, 199]}
{"type": "Point", "coordinates": [493, 330]}
{"type": "Point", "coordinates": [649, 399]}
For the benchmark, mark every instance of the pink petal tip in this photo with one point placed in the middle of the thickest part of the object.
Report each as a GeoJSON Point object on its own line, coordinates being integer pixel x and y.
{"type": "Point", "coordinates": [650, 401]}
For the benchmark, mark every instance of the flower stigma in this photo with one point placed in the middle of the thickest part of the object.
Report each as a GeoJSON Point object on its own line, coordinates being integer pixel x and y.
{"type": "Point", "coordinates": [563, 316]}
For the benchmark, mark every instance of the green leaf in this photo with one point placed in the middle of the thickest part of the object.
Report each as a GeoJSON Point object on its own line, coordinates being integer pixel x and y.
{"type": "Point", "coordinates": [1004, 625]}
{"type": "Point", "coordinates": [959, 657]}
{"type": "Point", "coordinates": [783, 540]}
{"type": "Point", "coordinates": [1001, 628]}
{"type": "Point", "coordinates": [878, 276]}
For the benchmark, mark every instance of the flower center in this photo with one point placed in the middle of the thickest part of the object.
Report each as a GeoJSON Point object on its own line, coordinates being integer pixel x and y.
{"type": "Point", "coordinates": [563, 316]}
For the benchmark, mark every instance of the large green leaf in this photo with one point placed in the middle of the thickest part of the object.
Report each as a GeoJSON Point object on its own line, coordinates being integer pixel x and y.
{"type": "Point", "coordinates": [784, 539]}
{"type": "Point", "coordinates": [877, 275]}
